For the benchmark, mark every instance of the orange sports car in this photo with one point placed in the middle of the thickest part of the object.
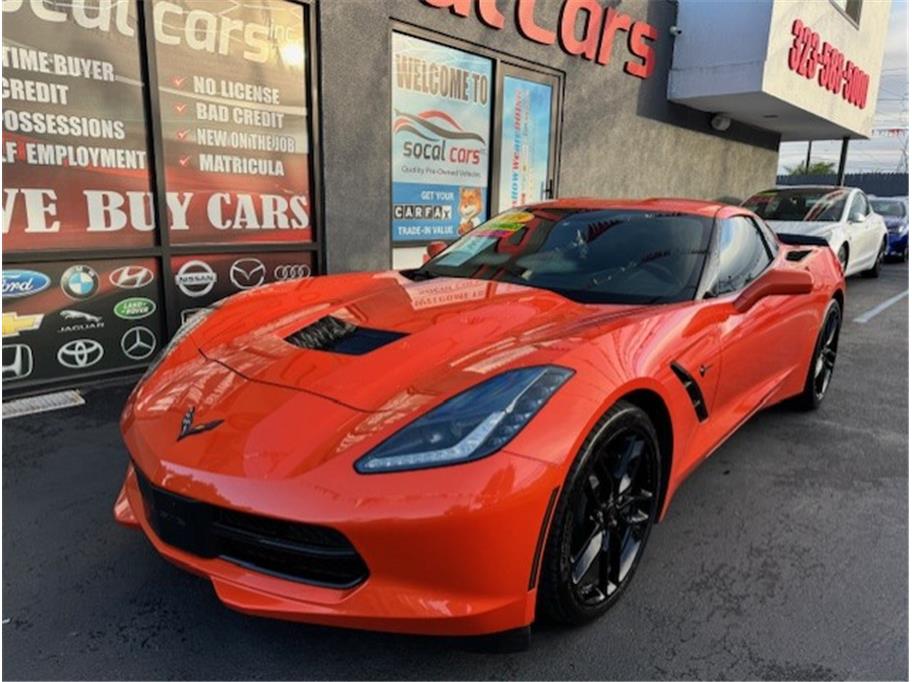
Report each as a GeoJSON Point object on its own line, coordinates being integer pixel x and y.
{"type": "Point", "coordinates": [456, 448]}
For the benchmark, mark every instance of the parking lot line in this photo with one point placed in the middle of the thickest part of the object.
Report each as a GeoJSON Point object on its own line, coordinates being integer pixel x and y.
{"type": "Point", "coordinates": [876, 310]}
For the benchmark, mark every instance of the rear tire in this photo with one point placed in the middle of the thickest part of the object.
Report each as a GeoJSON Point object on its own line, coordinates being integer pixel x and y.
{"type": "Point", "coordinates": [823, 360]}
{"type": "Point", "coordinates": [874, 271]}
{"type": "Point", "coordinates": [843, 257]}
{"type": "Point", "coordinates": [603, 518]}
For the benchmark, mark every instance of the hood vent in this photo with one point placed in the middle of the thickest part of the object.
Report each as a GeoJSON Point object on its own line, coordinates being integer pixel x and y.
{"type": "Point", "coordinates": [338, 336]}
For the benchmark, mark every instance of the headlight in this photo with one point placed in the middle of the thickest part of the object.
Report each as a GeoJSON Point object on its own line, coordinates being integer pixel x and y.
{"type": "Point", "coordinates": [182, 333]}
{"type": "Point", "coordinates": [469, 426]}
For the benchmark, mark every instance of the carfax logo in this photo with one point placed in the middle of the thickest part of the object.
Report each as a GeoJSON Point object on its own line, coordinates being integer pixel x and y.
{"type": "Point", "coordinates": [438, 130]}
{"type": "Point", "coordinates": [18, 283]}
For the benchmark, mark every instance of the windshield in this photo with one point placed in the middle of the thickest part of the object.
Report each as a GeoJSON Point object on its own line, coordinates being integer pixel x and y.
{"type": "Point", "coordinates": [598, 256]}
{"type": "Point", "coordinates": [799, 204]}
{"type": "Point", "coordinates": [889, 207]}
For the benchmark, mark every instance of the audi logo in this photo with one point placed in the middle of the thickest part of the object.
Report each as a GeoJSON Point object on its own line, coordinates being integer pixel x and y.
{"type": "Point", "coordinates": [291, 271]}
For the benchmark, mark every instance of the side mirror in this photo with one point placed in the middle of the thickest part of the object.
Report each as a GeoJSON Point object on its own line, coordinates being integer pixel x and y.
{"type": "Point", "coordinates": [857, 217]}
{"type": "Point", "coordinates": [775, 282]}
{"type": "Point", "coordinates": [435, 248]}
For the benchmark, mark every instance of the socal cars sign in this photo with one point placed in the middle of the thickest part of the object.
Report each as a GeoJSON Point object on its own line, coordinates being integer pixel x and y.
{"type": "Point", "coordinates": [600, 26]}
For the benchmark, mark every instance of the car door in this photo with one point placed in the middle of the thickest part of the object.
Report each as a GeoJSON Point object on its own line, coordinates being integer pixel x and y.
{"type": "Point", "coordinates": [755, 353]}
{"type": "Point", "coordinates": [861, 227]}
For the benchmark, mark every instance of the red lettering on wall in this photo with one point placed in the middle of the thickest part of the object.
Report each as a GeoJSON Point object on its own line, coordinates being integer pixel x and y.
{"type": "Point", "coordinates": [636, 43]}
{"type": "Point", "coordinates": [525, 17]}
{"type": "Point", "coordinates": [614, 21]}
{"type": "Point", "coordinates": [460, 7]}
{"type": "Point", "coordinates": [487, 10]}
{"type": "Point", "coordinates": [569, 17]}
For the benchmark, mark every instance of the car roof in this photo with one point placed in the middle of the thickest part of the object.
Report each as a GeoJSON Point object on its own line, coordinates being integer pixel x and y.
{"type": "Point", "coordinates": [845, 187]}
{"type": "Point", "coordinates": [674, 205]}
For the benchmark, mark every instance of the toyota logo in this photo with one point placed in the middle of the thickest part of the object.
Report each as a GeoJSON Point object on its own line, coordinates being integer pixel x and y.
{"type": "Point", "coordinates": [291, 271]}
{"type": "Point", "coordinates": [80, 353]}
{"type": "Point", "coordinates": [247, 273]}
{"type": "Point", "coordinates": [17, 361]}
{"type": "Point", "coordinates": [195, 278]}
{"type": "Point", "coordinates": [138, 343]}
{"type": "Point", "coordinates": [131, 277]}
{"type": "Point", "coordinates": [79, 282]}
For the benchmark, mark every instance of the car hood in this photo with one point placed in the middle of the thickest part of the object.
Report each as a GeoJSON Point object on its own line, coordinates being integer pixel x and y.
{"type": "Point", "coordinates": [423, 339]}
{"type": "Point", "coordinates": [895, 223]}
{"type": "Point", "coordinates": [812, 228]}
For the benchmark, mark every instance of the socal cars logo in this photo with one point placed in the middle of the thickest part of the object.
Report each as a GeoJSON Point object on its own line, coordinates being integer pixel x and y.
{"type": "Point", "coordinates": [18, 283]}
{"type": "Point", "coordinates": [438, 129]}
{"type": "Point", "coordinates": [134, 308]}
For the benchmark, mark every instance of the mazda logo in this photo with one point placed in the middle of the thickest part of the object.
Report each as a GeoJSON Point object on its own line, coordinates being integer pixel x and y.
{"type": "Point", "coordinates": [131, 277]}
{"type": "Point", "coordinates": [17, 361]}
{"type": "Point", "coordinates": [80, 353]}
{"type": "Point", "coordinates": [247, 273]}
{"type": "Point", "coordinates": [291, 271]}
{"type": "Point", "coordinates": [138, 343]}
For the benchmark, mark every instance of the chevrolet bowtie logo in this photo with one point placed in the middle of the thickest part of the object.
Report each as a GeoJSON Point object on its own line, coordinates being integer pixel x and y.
{"type": "Point", "coordinates": [13, 323]}
{"type": "Point", "coordinates": [188, 428]}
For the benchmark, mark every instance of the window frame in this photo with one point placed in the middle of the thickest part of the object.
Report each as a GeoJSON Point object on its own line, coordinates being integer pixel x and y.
{"type": "Point", "coordinates": [709, 288]}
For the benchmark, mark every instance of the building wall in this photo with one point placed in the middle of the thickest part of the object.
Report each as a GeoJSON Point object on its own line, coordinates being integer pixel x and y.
{"type": "Point", "coordinates": [620, 137]}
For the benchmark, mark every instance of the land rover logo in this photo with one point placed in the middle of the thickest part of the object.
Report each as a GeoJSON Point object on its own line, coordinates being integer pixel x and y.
{"type": "Point", "coordinates": [134, 308]}
{"type": "Point", "coordinates": [131, 277]}
{"type": "Point", "coordinates": [247, 273]}
{"type": "Point", "coordinates": [80, 353]}
{"type": "Point", "coordinates": [79, 282]}
{"type": "Point", "coordinates": [195, 278]}
{"type": "Point", "coordinates": [138, 343]}
{"type": "Point", "coordinates": [17, 283]}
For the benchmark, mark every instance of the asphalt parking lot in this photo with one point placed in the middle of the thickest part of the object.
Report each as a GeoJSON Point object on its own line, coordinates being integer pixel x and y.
{"type": "Point", "coordinates": [784, 556]}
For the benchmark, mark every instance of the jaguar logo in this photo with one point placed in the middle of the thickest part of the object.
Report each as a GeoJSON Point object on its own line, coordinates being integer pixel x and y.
{"type": "Point", "coordinates": [188, 428]}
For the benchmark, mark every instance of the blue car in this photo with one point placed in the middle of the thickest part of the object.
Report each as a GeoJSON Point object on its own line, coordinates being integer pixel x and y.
{"type": "Point", "coordinates": [895, 213]}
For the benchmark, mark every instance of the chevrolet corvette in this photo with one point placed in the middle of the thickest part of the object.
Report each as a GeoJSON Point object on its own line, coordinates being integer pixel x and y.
{"type": "Point", "coordinates": [458, 448]}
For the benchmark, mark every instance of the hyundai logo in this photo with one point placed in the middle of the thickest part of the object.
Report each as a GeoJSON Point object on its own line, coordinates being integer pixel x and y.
{"type": "Point", "coordinates": [131, 277]}
{"type": "Point", "coordinates": [80, 353]}
{"type": "Point", "coordinates": [17, 283]}
{"type": "Point", "coordinates": [247, 273]}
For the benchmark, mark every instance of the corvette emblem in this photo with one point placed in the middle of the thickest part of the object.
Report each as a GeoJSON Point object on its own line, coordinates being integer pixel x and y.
{"type": "Point", "coordinates": [188, 428]}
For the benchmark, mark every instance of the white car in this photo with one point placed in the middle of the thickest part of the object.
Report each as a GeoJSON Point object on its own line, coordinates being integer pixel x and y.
{"type": "Point", "coordinates": [840, 215]}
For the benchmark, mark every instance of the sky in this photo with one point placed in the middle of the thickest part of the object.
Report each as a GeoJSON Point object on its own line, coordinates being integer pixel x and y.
{"type": "Point", "coordinates": [878, 153]}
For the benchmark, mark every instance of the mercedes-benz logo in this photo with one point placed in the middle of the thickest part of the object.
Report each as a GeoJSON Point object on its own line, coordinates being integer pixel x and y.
{"type": "Point", "coordinates": [17, 361]}
{"type": "Point", "coordinates": [195, 278]}
{"type": "Point", "coordinates": [138, 343]}
{"type": "Point", "coordinates": [247, 273]}
{"type": "Point", "coordinates": [131, 277]}
{"type": "Point", "coordinates": [80, 353]}
{"type": "Point", "coordinates": [79, 282]}
{"type": "Point", "coordinates": [288, 271]}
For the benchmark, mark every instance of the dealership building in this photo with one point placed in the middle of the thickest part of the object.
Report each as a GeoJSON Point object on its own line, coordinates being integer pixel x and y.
{"type": "Point", "coordinates": [159, 155]}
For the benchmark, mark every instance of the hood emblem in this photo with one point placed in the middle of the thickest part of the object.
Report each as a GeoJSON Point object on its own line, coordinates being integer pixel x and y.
{"type": "Point", "coordinates": [188, 428]}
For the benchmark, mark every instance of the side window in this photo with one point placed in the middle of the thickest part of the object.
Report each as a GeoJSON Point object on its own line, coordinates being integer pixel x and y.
{"type": "Point", "coordinates": [766, 233]}
{"type": "Point", "coordinates": [743, 255]}
{"type": "Point", "coordinates": [859, 205]}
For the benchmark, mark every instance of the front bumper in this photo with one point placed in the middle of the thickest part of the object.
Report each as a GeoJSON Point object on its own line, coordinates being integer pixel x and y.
{"type": "Point", "coordinates": [897, 244]}
{"type": "Point", "coordinates": [457, 562]}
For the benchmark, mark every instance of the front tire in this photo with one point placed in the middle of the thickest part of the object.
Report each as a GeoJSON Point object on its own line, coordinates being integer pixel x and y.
{"type": "Point", "coordinates": [603, 519]}
{"type": "Point", "coordinates": [823, 361]}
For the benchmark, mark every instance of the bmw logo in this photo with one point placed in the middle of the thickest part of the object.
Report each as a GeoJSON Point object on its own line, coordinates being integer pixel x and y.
{"type": "Point", "coordinates": [79, 282]}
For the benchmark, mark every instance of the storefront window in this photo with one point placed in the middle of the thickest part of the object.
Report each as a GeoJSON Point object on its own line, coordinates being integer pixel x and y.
{"type": "Point", "coordinates": [233, 100]}
{"type": "Point", "coordinates": [441, 120]}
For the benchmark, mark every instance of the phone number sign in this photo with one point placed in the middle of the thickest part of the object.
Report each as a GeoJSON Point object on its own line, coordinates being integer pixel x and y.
{"type": "Point", "coordinates": [809, 57]}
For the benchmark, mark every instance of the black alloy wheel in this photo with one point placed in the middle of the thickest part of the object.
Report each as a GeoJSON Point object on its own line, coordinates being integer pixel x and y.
{"type": "Point", "coordinates": [603, 520]}
{"type": "Point", "coordinates": [843, 257]}
{"type": "Point", "coordinates": [823, 362]}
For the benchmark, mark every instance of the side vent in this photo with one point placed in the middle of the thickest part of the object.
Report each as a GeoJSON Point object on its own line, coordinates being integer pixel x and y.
{"type": "Point", "coordinates": [693, 390]}
{"type": "Point", "coordinates": [338, 336]}
{"type": "Point", "coordinates": [796, 256]}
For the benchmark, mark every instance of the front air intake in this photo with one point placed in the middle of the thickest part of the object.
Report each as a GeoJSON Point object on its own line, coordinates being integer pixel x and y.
{"type": "Point", "coordinates": [338, 336]}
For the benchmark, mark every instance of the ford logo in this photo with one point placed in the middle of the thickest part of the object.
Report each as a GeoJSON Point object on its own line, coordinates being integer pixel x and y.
{"type": "Point", "coordinates": [17, 283]}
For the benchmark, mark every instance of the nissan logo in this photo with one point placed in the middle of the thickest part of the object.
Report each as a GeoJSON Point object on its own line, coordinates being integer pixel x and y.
{"type": "Point", "coordinates": [138, 343]}
{"type": "Point", "coordinates": [131, 277]}
{"type": "Point", "coordinates": [247, 273]}
{"type": "Point", "coordinates": [291, 271]}
{"type": "Point", "coordinates": [80, 353]}
{"type": "Point", "coordinates": [195, 278]}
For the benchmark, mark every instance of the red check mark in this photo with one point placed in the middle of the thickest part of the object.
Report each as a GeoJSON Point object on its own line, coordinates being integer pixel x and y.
{"type": "Point", "coordinates": [179, 108]}
{"type": "Point", "coordinates": [178, 81]}
{"type": "Point", "coordinates": [183, 161]}
{"type": "Point", "coordinates": [181, 134]}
